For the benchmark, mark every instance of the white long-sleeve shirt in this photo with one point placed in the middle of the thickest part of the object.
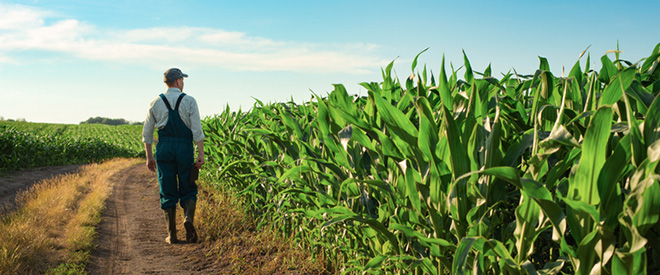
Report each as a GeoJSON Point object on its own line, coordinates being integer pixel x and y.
{"type": "Point", "coordinates": [158, 114]}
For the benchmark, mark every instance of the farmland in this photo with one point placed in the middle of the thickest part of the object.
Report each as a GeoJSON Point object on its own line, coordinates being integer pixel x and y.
{"type": "Point", "coordinates": [459, 172]}
{"type": "Point", "coordinates": [26, 144]}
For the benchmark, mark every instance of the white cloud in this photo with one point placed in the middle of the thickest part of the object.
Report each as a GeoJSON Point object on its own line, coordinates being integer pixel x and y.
{"type": "Point", "coordinates": [17, 17]}
{"type": "Point", "coordinates": [24, 29]}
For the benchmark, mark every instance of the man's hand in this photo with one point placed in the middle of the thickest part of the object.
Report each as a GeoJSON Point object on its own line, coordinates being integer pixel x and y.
{"type": "Point", "coordinates": [151, 164]}
{"type": "Point", "coordinates": [200, 162]}
{"type": "Point", "coordinates": [200, 154]}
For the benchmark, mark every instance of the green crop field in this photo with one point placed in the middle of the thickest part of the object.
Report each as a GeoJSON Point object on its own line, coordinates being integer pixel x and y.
{"type": "Point", "coordinates": [25, 144]}
{"type": "Point", "coordinates": [454, 173]}
{"type": "Point", "coordinates": [460, 172]}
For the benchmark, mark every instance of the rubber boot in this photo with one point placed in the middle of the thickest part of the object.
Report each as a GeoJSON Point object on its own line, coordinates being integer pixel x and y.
{"type": "Point", "coordinates": [170, 219]}
{"type": "Point", "coordinates": [189, 212]}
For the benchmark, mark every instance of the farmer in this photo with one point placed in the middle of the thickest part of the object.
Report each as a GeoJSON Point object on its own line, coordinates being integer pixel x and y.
{"type": "Point", "coordinates": [176, 116]}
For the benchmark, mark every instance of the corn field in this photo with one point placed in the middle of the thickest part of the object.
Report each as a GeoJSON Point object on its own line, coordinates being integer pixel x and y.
{"type": "Point", "coordinates": [520, 175]}
{"type": "Point", "coordinates": [526, 174]}
{"type": "Point", "coordinates": [27, 144]}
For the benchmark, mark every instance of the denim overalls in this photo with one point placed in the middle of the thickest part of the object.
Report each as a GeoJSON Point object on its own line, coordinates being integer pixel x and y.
{"type": "Point", "coordinates": [174, 159]}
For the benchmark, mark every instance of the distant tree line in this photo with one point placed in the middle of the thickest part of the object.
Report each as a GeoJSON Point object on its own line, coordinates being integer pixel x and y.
{"type": "Point", "coordinates": [108, 121]}
{"type": "Point", "coordinates": [9, 119]}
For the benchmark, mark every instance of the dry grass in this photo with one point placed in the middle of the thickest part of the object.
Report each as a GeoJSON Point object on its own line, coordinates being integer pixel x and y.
{"type": "Point", "coordinates": [240, 248]}
{"type": "Point", "coordinates": [55, 223]}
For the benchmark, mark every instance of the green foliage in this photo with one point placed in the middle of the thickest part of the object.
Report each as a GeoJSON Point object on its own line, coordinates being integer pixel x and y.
{"type": "Point", "coordinates": [25, 144]}
{"type": "Point", "coordinates": [68, 269]}
{"type": "Point", "coordinates": [521, 175]}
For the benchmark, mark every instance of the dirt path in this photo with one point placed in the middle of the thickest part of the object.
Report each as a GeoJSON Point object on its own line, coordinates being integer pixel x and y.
{"type": "Point", "coordinates": [131, 236]}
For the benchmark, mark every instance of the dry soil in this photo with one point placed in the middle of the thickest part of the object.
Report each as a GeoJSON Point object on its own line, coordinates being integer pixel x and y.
{"type": "Point", "coordinates": [132, 233]}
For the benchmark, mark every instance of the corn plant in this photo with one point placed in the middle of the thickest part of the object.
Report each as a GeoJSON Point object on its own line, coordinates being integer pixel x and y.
{"type": "Point", "coordinates": [519, 175]}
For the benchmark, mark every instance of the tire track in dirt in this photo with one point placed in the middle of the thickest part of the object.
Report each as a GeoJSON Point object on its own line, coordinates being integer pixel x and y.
{"type": "Point", "coordinates": [131, 235]}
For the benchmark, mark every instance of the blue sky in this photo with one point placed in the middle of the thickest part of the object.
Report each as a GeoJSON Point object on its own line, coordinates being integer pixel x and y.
{"type": "Point", "coordinates": [66, 61]}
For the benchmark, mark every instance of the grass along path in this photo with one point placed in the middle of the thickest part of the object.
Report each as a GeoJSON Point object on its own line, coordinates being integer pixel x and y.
{"type": "Point", "coordinates": [54, 227]}
{"type": "Point", "coordinates": [231, 235]}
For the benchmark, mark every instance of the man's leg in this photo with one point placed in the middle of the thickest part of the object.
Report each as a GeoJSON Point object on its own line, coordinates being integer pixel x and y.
{"type": "Point", "coordinates": [188, 193]}
{"type": "Point", "coordinates": [167, 175]}
{"type": "Point", "coordinates": [189, 211]}
{"type": "Point", "coordinates": [170, 220]}
{"type": "Point", "coordinates": [169, 193]}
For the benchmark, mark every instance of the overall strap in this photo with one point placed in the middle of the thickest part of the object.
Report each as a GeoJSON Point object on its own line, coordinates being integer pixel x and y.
{"type": "Point", "coordinates": [179, 101]}
{"type": "Point", "coordinates": [167, 103]}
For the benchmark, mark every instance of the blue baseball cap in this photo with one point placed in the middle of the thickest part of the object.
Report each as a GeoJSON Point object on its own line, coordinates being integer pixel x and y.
{"type": "Point", "coordinates": [173, 74]}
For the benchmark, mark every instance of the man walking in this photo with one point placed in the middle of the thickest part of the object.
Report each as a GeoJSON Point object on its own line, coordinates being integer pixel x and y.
{"type": "Point", "coordinates": [176, 116]}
